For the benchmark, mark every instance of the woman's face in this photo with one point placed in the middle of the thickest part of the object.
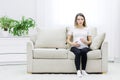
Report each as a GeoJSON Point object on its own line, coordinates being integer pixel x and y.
{"type": "Point", "coordinates": [80, 20]}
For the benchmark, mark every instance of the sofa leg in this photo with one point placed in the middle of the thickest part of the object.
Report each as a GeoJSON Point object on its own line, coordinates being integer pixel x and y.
{"type": "Point", "coordinates": [104, 72]}
{"type": "Point", "coordinates": [29, 72]}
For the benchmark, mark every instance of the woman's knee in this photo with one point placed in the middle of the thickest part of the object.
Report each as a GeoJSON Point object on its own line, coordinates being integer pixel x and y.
{"type": "Point", "coordinates": [85, 50]}
{"type": "Point", "coordinates": [75, 50]}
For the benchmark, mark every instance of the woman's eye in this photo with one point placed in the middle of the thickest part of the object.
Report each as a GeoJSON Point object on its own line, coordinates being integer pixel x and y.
{"type": "Point", "coordinates": [80, 19]}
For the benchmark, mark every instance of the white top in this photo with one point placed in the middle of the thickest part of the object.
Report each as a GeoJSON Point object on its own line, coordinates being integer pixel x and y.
{"type": "Point", "coordinates": [77, 34]}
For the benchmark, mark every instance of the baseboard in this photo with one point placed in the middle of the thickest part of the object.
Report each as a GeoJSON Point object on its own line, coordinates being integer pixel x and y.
{"type": "Point", "coordinates": [117, 59]}
{"type": "Point", "coordinates": [13, 63]}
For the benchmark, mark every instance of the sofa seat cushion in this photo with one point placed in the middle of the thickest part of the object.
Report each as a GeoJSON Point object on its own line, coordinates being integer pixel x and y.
{"type": "Point", "coordinates": [49, 53]}
{"type": "Point", "coordinates": [94, 54]}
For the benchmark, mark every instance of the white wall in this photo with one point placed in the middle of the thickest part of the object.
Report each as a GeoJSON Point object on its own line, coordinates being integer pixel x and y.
{"type": "Point", "coordinates": [44, 13]}
{"type": "Point", "coordinates": [18, 8]}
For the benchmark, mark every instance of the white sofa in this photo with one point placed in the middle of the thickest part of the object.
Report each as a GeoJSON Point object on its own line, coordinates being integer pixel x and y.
{"type": "Point", "coordinates": [47, 52]}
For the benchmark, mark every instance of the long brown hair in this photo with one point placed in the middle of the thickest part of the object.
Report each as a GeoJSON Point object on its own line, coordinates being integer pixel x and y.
{"type": "Point", "coordinates": [75, 22]}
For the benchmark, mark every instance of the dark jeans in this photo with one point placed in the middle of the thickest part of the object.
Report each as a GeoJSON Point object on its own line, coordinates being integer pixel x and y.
{"type": "Point", "coordinates": [80, 54]}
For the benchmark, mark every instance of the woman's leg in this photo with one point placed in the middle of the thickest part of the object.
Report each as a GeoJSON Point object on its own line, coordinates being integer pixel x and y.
{"type": "Point", "coordinates": [84, 57]}
{"type": "Point", "coordinates": [76, 51]}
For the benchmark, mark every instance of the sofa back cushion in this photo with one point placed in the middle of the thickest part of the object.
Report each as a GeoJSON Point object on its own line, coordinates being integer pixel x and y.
{"type": "Point", "coordinates": [51, 38]}
{"type": "Point", "coordinates": [97, 41]}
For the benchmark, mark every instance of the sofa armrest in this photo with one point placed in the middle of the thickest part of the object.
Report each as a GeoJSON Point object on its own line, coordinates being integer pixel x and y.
{"type": "Point", "coordinates": [104, 50]}
{"type": "Point", "coordinates": [30, 47]}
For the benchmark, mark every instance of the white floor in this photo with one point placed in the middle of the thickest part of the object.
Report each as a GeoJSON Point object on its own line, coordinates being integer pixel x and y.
{"type": "Point", "coordinates": [18, 72]}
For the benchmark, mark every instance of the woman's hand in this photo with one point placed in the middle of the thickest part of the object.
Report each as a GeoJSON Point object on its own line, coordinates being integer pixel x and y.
{"type": "Point", "coordinates": [75, 44]}
{"type": "Point", "coordinates": [84, 41]}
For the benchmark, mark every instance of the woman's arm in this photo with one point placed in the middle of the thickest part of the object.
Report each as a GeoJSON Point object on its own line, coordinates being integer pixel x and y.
{"type": "Point", "coordinates": [88, 41]}
{"type": "Point", "coordinates": [69, 37]}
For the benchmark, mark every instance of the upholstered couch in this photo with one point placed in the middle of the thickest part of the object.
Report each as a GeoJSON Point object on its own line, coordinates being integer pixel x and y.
{"type": "Point", "coordinates": [47, 52]}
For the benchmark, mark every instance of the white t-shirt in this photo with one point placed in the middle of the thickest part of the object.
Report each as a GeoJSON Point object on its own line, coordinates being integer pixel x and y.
{"type": "Point", "coordinates": [79, 34]}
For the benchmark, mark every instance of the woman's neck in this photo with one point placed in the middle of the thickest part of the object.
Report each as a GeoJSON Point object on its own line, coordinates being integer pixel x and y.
{"type": "Point", "coordinates": [80, 26]}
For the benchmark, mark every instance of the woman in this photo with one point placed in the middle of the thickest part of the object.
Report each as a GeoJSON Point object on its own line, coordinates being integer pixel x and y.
{"type": "Point", "coordinates": [80, 44]}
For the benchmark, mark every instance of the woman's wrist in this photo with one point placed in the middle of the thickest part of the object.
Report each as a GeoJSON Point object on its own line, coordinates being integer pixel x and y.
{"type": "Point", "coordinates": [71, 43]}
{"type": "Point", "coordinates": [88, 42]}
